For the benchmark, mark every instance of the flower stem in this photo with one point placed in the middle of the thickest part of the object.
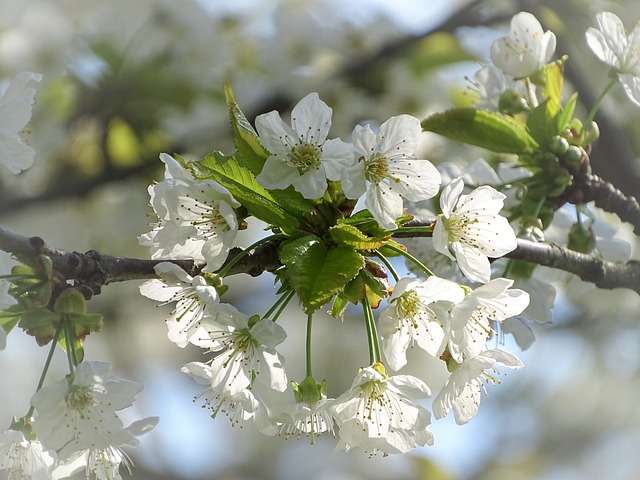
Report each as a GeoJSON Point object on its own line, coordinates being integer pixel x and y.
{"type": "Point", "coordinates": [47, 364]}
{"type": "Point", "coordinates": [282, 305]}
{"type": "Point", "coordinates": [388, 265]}
{"type": "Point", "coordinates": [596, 106]}
{"type": "Point", "coordinates": [285, 296]}
{"type": "Point", "coordinates": [372, 332]}
{"type": "Point", "coordinates": [410, 257]}
{"type": "Point", "coordinates": [531, 93]}
{"type": "Point", "coordinates": [225, 270]}
{"type": "Point", "coordinates": [308, 344]}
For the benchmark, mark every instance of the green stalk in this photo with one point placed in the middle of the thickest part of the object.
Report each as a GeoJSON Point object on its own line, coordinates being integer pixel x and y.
{"type": "Point", "coordinates": [596, 105]}
{"type": "Point", "coordinates": [277, 303]}
{"type": "Point", "coordinates": [388, 265]}
{"type": "Point", "coordinates": [372, 332]}
{"type": "Point", "coordinates": [407, 255]}
{"type": "Point", "coordinates": [308, 344]}
{"type": "Point", "coordinates": [283, 305]}
{"type": "Point", "coordinates": [47, 364]}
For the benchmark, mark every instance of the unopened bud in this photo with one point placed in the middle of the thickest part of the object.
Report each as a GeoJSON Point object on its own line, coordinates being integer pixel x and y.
{"type": "Point", "coordinates": [512, 102]}
{"type": "Point", "coordinates": [559, 145]}
{"type": "Point", "coordinates": [573, 157]}
{"type": "Point", "coordinates": [592, 134]}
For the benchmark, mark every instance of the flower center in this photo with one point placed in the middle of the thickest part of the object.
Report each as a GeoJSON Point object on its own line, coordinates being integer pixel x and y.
{"type": "Point", "coordinates": [80, 398]}
{"type": "Point", "coordinates": [305, 156]}
{"type": "Point", "coordinates": [376, 168]}
{"type": "Point", "coordinates": [459, 228]}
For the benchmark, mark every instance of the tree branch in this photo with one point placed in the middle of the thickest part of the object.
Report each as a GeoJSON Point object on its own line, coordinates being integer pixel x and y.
{"type": "Point", "coordinates": [92, 270]}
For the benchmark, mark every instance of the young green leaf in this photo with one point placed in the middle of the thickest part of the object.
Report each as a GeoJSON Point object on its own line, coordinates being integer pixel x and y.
{"type": "Point", "coordinates": [250, 151]}
{"type": "Point", "coordinates": [242, 184]}
{"type": "Point", "coordinates": [350, 236]}
{"type": "Point", "coordinates": [481, 128]}
{"type": "Point", "coordinates": [318, 273]}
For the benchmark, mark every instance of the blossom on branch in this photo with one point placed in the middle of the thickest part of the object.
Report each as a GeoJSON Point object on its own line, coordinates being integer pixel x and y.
{"type": "Point", "coordinates": [462, 391]}
{"type": "Point", "coordinates": [194, 297]}
{"type": "Point", "coordinates": [527, 48]}
{"type": "Point", "coordinates": [301, 155]}
{"type": "Point", "coordinates": [377, 414]}
{"type": "Point", "coordinates": [415, 315]}
{"type": "Point", "coordinates": [612, 45]}
{"type": "Point", "coordinates": [195, 218]}
{"type": "Point", "coordinates": [386, 161]}
{"type": "Point", "coordinates": [471, 229]}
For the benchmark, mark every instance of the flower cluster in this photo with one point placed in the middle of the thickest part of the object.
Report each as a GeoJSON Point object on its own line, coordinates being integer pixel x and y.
{"type": "Point", "coordinates": [245, 377]}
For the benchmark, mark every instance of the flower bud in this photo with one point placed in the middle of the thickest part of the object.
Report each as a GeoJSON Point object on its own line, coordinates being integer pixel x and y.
{"type": "Point", "coordinates": [592, 134]}
{"type": "Point", "coordinates": [512, 102]}
{"type": "Point", "coordinates": [559, 145]}
{"type": "Point", "coordinates": [573, 157]}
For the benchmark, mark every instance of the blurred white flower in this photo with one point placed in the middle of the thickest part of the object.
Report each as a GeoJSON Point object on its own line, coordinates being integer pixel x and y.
{"type": "Point", "coordinates": [415, 316]}
{"type": "Point", "coordinates": [16, 103]}
{"type": "Point", "coordinates": [81, 415]}
{"type": "Point", "coordinates": [377, 414]}
{"type": "Point", "coordinates": [489, 83]}
{"type": "Point", "coordinates": [387, 162]}
{"type": "Point", "coordinates": [24, 458]}
{"type": "Point", "coordinates": [471, 228]}
{"type": "Point", "coordinates": [613, 46]}
{"type": "Point", "coordinates": [527, 48]}
{"type": "Point", "coordinates": [462, 393]}
{"type": "Point", "coordinates": [301, 155]}
{"type": "Point", "coordinates": [194, 296]}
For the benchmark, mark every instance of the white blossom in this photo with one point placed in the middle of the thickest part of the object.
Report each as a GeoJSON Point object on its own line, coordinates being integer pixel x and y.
{"type": "Point", "coordinates": [378, 414]}
{"type": "Point", "coordinates": [386, 161]}
{"type": "Point", "coordinates": [415, 316]}
{"type": "Point", "coordinates": [527, 48]}
{"type": "Point", "coordinates": [24, 458]}
{"type": "Point", "coordinates": [82, 415]}
{"type": "Point", "coordinates": [240, 407]}
{"type": "Point", "coordinates": [462, 391]}
{"type": "Point", "coordinates": [193, 297]}
{"type": "Point", "coordinates": [246, 351]}
{"type": "Point", "coordinates": [489, 83]}
{"type": "Point", "coordinates": [471, 229]}
{"type": "Point", "coordinates": [301, 155]}
{"type": "Point", "coordinates": [612, 45]}
{"type": "Point", "coordinates": [470, 326]}
{"type": "Point", "coordinates": [195, 218]}
{"type": "Point", "coordinates": [16, 103]}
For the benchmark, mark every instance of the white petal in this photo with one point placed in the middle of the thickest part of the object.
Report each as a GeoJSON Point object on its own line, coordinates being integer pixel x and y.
{"type": "Point", "coordinates": [474, 265]}
{"type": "Point", "coordinates": [311, 119]}
{"type": "Point", "coordinates": [276, 174]}
{"type": "Point", "coordinates": [385, 205]}
{"type": "Point", "coordinates": [275, 135]}
{"type": "Point", "coordinates": [399, 136]}
{"type": "Point", "coordinates": [311, 184]}
{"type": "Point", "coordinates": [449, 196]}
{"type": "Point", "coordinates": [415, 180]}
{"type": "Point", "coordinates": [336, 157]}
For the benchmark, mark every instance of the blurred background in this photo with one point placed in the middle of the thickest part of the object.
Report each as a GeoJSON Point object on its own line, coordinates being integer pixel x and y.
{"type": "Point", "coordinates": [125, 80]}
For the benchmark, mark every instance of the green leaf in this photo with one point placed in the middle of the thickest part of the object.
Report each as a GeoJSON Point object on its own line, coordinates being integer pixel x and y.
{"type": "Point", "coordinates": [242, 184]}
{"type": "Point", "coordinates": [350, 236]}
{"type": "Point", "coordinates": [317, 273]}
{"type": "Point", "coordinates": [541, 126]}
{"type": "Point", "coordinates": [339, 306]}
{"type": "Point", "coordinates": [9, 317]}
{"type": "Point", "coordinates": [552, 90]}
{"type": "Point", "coordinates": [481, 128]}
{"type": "Point", "coordinates": [250, 151]}
{"type": "Point", "coordinates": [567, 112]}
{"type": "Point", "coordinates": [365, 222]}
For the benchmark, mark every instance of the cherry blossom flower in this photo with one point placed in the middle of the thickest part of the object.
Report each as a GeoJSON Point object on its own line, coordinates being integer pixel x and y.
{"type": "Point", "coordinates": [246, 351]}
{"type": "Point", "coordinates": [414, 316]}
{"type": "Point", "coordinates": [16, 103]}
{"type": "Point", "coordinates": [489, 83]}
{"type": "Point", "coordinates": [82, 415]}
{"type": "Point", "coordinates": [612, 45]}
{"type": "Point", "coordinates": [301, 155]}
{"type": "Point", "coordinates": [527, 48]}
{"type": "Point", "coordinates": [386, 160]}
{"type": "Point", "coordinates": [377, 414]}
{"type": "Point", "coordinates": [242, 407]}
{"type": "Point", "coordinates": [24, 458]}
{"type": "Point", "coordinates": [469, 324]}
{"type": "Point", "coordinates": [195, 218]}
{"type": "Point", "coordinates": [472, 230]}
{"type": "Point", "coordinates": [462, 391]}
{"type": "Point", "coordinates": [194, 296]}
